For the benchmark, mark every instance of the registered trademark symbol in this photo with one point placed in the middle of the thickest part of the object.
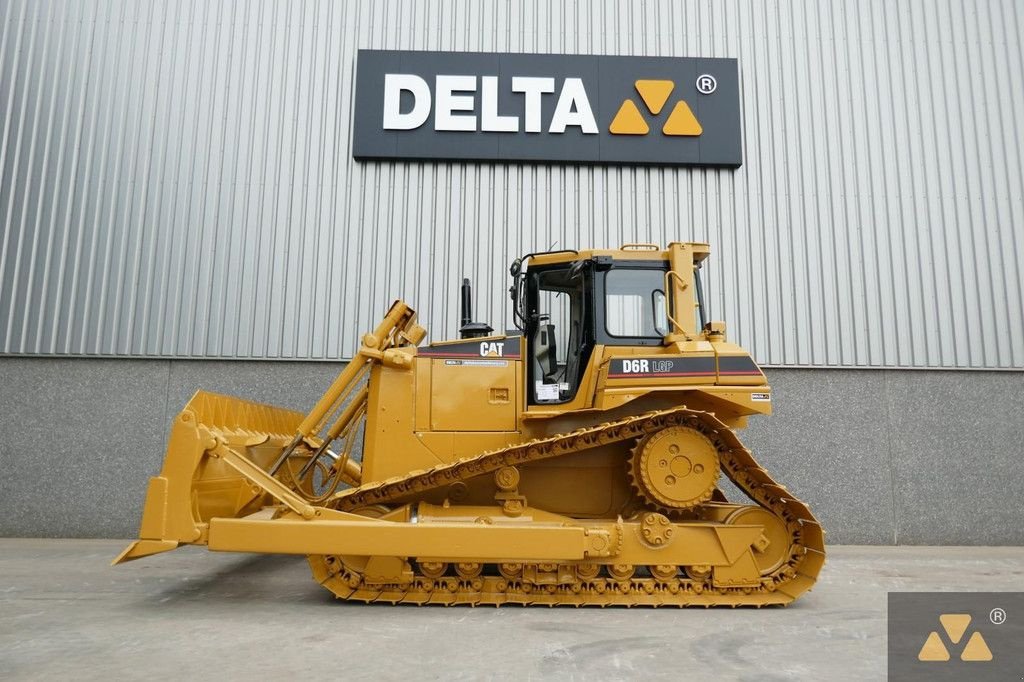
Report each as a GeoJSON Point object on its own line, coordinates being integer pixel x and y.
{"type": "Point", "coordinates": [706, 84]}
{"type": "Point", "coordinates": [997, 616]}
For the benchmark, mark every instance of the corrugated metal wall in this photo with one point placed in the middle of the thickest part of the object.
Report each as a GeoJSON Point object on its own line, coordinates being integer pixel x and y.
{"type": "Point", "coordinates": [176, 177]}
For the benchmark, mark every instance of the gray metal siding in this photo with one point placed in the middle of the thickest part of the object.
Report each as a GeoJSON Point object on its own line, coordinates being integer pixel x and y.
{"type": "Point", "coordinates": [176, 177]}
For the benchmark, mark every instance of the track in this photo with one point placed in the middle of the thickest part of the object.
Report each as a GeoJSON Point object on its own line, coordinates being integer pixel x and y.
{"type": "Point", "coordinates": [657, 588]}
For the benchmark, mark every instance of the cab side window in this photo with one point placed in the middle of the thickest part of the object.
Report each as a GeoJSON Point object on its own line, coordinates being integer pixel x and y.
{"type": "Point", "coordinates": [635, 304]}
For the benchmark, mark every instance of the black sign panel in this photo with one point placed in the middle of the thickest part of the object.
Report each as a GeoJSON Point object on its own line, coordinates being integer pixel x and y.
{"type": "Point", "coordinates": [532, 107]}
{"type": "Point", "coordinates": [489, 347]}
{"type": "Point", "coordinates": [667, 366]}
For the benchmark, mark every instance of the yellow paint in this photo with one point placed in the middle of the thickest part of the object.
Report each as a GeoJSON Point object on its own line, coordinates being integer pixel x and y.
{"type": "Point", "coordinates": [655, 93]}
{"type": "Point", "coordinates": [628, 121]}
{"type": "Point", "coordinates": [976, 649]}
{"type": "Point", "coordinates": [955, 625]}
{"type": "Point", "coordinates": [486, 392]}
{"type": "Point", "coordinates": [682, 121]}
{"type": "Point", "coordinates": [933, 649]}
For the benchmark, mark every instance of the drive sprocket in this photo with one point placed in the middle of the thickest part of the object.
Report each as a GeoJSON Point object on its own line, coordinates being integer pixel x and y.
{"type": "Point", "coordinates": [675, 469]}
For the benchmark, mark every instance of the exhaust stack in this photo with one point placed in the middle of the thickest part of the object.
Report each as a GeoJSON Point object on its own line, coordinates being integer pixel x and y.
{"type": "Point", "coordinates": [467, 328]}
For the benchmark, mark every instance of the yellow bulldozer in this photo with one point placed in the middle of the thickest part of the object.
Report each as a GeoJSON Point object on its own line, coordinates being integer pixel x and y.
{"type": "Point", "coordinates": [574, 461]}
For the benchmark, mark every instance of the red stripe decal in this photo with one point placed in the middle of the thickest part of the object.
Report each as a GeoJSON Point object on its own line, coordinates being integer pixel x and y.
{"type": "Point", "coordinates": [468, 355]}
{"type": "Point", "coordinates": [678, 374]}
{"type": "Point", "coordinates": [661, 374]}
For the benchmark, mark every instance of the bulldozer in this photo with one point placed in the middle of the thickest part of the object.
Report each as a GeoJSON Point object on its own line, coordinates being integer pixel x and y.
{"type": "Point", "coordinates": [578, 459]}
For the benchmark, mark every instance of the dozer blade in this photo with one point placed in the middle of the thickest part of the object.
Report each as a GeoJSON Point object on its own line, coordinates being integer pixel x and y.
{"type": "Point", "coordinates": [203, 475]}
{"type": "Point", "coordinates": [224, 454]}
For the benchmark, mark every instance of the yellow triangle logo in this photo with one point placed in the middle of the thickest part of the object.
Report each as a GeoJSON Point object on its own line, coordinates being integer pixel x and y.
{"type": "Point", "coordinates": [682, 121]}
{"type": "Point", "coordinates": [976, 649]}
{"type": "Point", "coordinates": [654, 93]}
{"type": "Point", "coordinates": [628, 121]}
{"type": "Point", "coordinates": [955, 625]}
{"type": "Point", "coordinates": [933, 649]}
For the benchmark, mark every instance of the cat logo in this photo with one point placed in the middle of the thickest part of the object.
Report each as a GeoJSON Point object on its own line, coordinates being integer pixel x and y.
{"type": "Point", "coordinates": [492, 349]}
{"type": "Point", "coordinates": [955, 625]}
{"type": "Point", "coordinates": [655, 93]}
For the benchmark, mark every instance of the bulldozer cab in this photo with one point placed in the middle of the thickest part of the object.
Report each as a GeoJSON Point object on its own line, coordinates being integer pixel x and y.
{"type": "Point", "coordinates": [567, 302]}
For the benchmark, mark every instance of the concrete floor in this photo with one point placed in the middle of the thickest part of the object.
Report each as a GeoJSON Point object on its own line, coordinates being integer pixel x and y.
{"type": "Point", "coordinates": [64, 613]}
